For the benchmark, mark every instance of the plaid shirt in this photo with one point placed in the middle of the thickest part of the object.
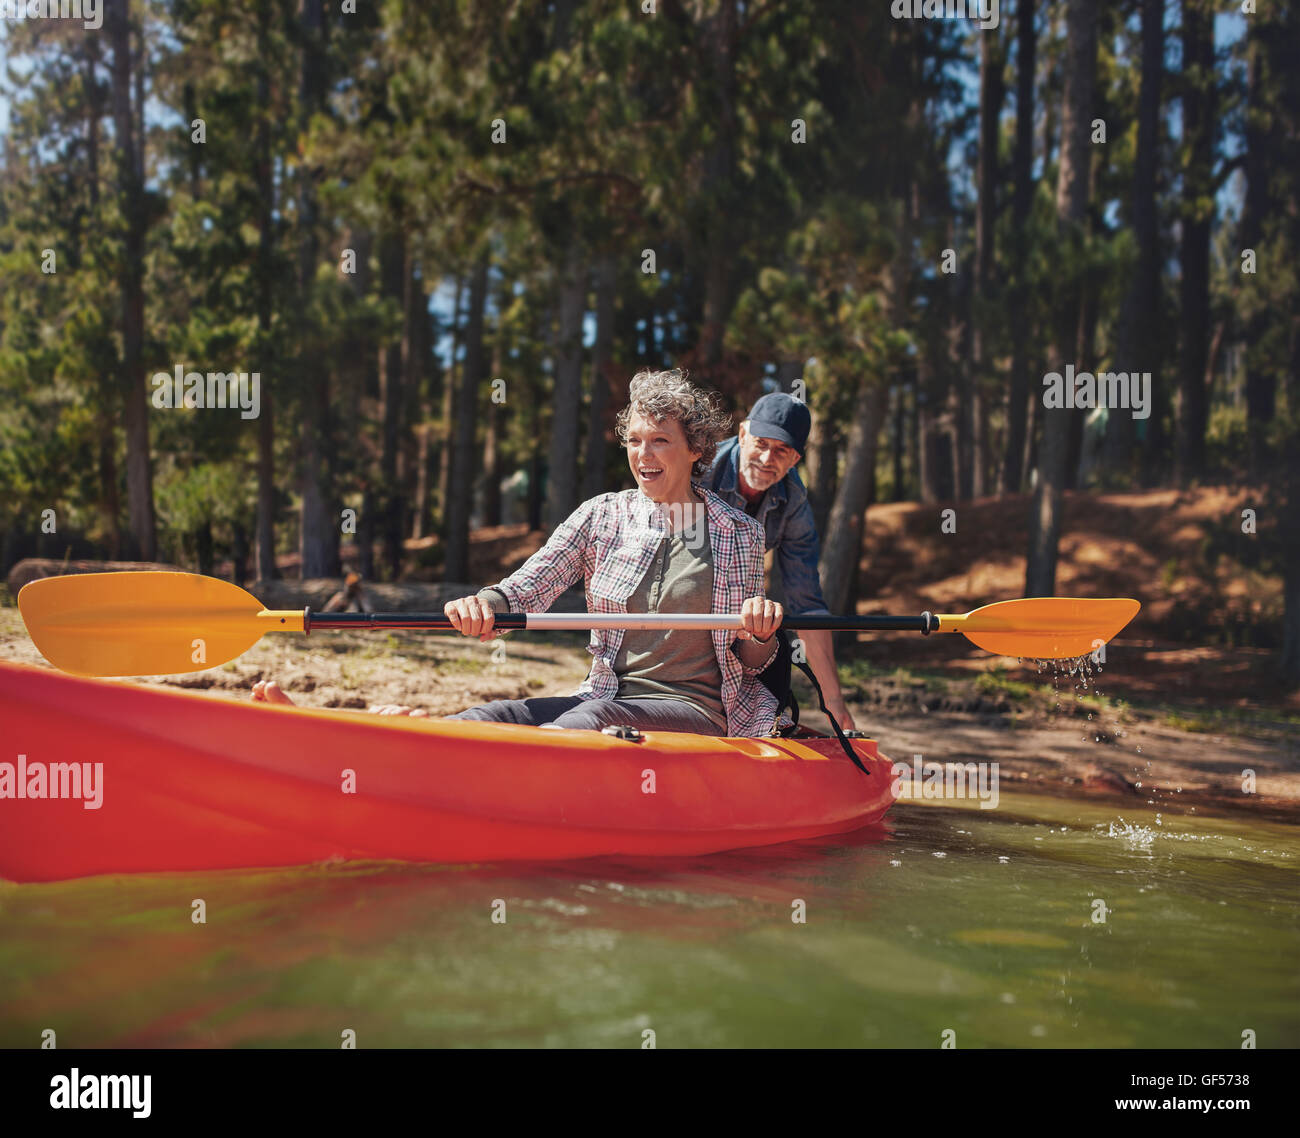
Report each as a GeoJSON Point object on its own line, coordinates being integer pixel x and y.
{"type": "Point", "coordinates": [609, 541]}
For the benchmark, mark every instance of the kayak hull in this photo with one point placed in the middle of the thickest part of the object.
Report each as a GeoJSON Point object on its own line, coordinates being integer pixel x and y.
{"type": "Point", "coordinates": [175, 781]}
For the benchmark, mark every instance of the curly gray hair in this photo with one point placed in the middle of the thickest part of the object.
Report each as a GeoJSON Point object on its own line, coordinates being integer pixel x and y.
{"type": "Point", "coordinates": [660, 395]}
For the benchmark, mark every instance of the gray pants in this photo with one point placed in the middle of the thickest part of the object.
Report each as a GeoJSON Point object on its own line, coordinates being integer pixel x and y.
{"type": "Point", "coordinates": [593, 714]}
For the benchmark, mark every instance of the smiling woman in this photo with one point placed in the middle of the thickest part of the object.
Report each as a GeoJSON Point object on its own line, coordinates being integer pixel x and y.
{"type": "Point", "coordinates": [671, 429]}
{"type": "Point", "coordinates": [668, 545]}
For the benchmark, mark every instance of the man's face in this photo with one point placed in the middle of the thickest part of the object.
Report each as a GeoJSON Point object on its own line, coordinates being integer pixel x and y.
{"type": "Point", "coordinates": [764, 462]}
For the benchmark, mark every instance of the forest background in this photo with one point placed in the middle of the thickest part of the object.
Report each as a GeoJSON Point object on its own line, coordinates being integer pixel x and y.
{"type": "Point", "coordinates": [445, 234]}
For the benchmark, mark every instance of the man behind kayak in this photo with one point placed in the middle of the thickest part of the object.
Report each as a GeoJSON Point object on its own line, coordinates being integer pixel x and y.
{"type": "Point", "coordinates": [755, 472]}
{"type": "Point", "coordinates": [667, 545]}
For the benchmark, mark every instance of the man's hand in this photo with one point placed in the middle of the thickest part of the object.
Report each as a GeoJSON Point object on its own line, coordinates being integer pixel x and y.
{"type": "Point", "coordinates": [841, 714]}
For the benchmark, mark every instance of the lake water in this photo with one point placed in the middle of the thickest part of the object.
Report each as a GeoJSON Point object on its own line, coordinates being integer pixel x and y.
{"type": "Point", "coordinates": [946, 918]}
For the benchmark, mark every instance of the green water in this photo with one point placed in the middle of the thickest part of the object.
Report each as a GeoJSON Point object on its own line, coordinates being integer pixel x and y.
{"type": "Point", "coordinates": [945, 918]}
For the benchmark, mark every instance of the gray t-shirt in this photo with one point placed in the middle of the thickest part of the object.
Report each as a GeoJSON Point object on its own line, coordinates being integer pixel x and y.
{"type": "Point", "coordinates": [674, 663]}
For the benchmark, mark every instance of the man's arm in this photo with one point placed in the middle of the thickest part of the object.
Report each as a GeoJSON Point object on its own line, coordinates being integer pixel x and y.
{"type": "Point", "coordinates": [821, 659]}
{"type": "Point", "coordinates": [797, 555]}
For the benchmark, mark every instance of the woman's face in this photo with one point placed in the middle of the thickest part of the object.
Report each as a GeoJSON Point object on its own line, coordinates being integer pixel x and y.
{"type": "Point", "coordinates": [660, 458]}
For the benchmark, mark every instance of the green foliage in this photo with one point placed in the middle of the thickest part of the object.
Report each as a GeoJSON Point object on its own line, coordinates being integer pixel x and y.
{"type": "Point", "coordinates": [1226, 445]}
{"type": "Point", "coordinates": [623, 132]}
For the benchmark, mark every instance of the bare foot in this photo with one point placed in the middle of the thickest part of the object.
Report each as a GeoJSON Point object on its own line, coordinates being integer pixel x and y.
{"type": "Point", "coordinates": [268, 691]}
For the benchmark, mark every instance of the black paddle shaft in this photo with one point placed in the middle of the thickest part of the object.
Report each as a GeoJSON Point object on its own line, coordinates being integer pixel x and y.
{"type": "Point", "coordinates": [509, 621]}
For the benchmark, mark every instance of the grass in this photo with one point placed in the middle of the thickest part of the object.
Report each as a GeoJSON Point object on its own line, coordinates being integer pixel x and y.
{"type": "Point", "coordinates": [1226, 720]}
{"type": "Point", "coordinates": [857, 672]}
{"type": "Point", "coordinates": [994, 682]}
{"type": "Point", "coordinates": [1045, 699]}
{"type": "Point", "coordinates": [474, 666]}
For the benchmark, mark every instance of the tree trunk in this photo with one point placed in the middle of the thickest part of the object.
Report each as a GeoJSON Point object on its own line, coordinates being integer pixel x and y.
{"type": "Point", "coordinates": [601, 376]}
{"type": "Point", "coordinates": [239, 554]}
{"type": "Point", "coordinates": [267, 569]}
{"type": "Point", "coordinates": [914, 439]}
{"type": "Point", "coordinates": [492, 449]}
{"type": "Point", "coordinates": [1289, 474]}
{"type": "Point", "coordinates": [203, 547]}
{"type": "Point", "coordinates": [422, 476]}
{"type": "Point", "coordinates": [720, 40]}
{"type": "Point", "coordinates": [448, 402]}
{"type": "Point", "coordinates": [366, 533]}
{"type": "Point", "coordinates": [417, 356]}
{"type": "Point", "coordinates": [1261, 379]}
{"type": "Point", "coordinates": [394, 278]}
{"type": "Point", "coordinates": [456, 567]}
{"type": "Point", "coordinates": [356, 374]}
{"type": "Point", "coordinates": [265, 530]}
{"type": "Point", "coordinates": [106, 443]}
{"type": "Point", "coordinates": [318, 529]}
{"type": "Point", "coordinates": [1071, 210]}
{"type": "Point", "coordinates": [1085, 354]}
{"type": "Point", "coordinates": [318, 526]}
{"type": "Point", "coordinates": [898, 439]}
{"type": "Point", "coordinates": [824, 455]}
{"type": "Point", "coordinates": [1197, 216]}
{"type": "Point", "coordinates": [1139, 318]}
{"type": "Point", "coordinates": [562, 484]}
{"type": "Point", "coordinates": [137, 78]}
{"type": "Point", "coordinates": [535, 497]}
{"type": "Point", "coordinates": [961, 396]}
{"type": "Point", "coordinates": [958, 403]}
{"type": "Point", "coordinates": [842, 543]}
{"type": "Point", "coordinates": [492, 467]}
{"type": "Point", "coordinates": [983, 302]}
{"type": "Point", "coordinates": [931, 467]}
{"type": "Point", "coordinates": [135, 416]}
{"type": "Point", "coordinates": [1013, 468]}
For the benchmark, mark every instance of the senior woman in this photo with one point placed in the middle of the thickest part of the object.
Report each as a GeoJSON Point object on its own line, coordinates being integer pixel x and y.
{"type": "Point", "coordinates": [666, 545]}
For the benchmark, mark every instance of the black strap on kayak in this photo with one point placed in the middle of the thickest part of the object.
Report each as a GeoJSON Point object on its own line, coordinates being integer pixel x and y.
{"type": "Point", "coordinates": [777, 678]}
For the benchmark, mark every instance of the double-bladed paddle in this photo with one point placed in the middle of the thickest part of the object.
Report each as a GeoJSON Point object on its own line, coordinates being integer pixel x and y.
{"type": "Point", "coordinates": [150, 623]}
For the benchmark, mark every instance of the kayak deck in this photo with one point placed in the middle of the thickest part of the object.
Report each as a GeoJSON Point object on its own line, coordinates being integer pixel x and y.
{"type": "Point", "coordinates": [188, 782]}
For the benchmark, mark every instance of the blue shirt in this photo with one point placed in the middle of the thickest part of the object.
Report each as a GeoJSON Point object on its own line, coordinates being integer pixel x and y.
{"type": "Point", "coordinates": [788, 527]}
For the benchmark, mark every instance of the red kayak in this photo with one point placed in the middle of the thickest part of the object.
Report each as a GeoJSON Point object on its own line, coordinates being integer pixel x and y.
{"type": "Point", "coordinates": [108, 777]}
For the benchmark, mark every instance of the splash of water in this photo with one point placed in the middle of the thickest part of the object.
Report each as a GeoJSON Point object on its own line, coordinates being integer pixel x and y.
{"type": "Point", "coordinates": [1084, 671]}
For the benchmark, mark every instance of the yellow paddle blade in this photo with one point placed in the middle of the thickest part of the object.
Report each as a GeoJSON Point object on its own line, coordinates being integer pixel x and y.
{"type": "Point", "coordinates": [1044, 628]}
{"type": "Point", "coordinates": [139, 624]}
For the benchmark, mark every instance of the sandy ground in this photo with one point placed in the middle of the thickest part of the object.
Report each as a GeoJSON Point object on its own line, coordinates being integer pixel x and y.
{"type": "Point", "coordinates": [1051, 741]}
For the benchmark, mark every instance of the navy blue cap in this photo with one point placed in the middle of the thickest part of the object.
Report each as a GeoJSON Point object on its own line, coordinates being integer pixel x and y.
{"type": "Point", "coordinates": [782, 417]}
